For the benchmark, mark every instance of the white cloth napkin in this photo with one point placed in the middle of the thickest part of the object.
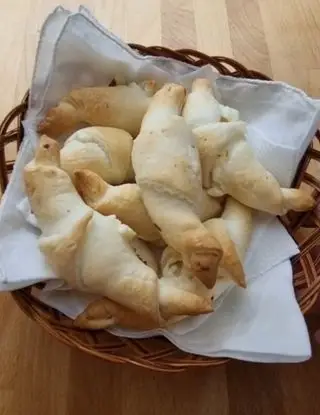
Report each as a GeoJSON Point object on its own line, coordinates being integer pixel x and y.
{"type": "Point", "coordinates": [278, 115]}
{"type": "Point", "coordinates": [260, 324]}
{"type": "Point", "coordinates": [75, 50]}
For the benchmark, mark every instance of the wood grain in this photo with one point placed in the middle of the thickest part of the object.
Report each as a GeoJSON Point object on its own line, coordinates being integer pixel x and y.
{"type": "Point", "coordinates": [40, 376]}
{"type": "Point", "coordinates": [291, 31]}
{"type": "Point", "coordinates": [247, 35]}
{"type": "Point", "coordinates": [212, 27]}
{"type": "Point", "coordinates": [178, 14]}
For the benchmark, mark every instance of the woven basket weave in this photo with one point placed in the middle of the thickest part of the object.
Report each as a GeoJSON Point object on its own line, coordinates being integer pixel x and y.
{"type": "Point", "coordinates": [158, 353]}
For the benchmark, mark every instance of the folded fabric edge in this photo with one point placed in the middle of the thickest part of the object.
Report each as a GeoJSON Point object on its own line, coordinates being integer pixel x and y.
{"type": "Point", "coordinates": [57, 10]}
{"type": "Point", "coordinates": [256, 357]}
{"type": "Point", "coordinates": [21, 156]}
{"type": "Point", "coordinates": [313, 102]}
{"type": "Point", "coordinates": [250, 356]}
{"type": "Point", "coordinates": [17, 285]}
{"type": "Point", "coordinates": [85, 12]}
{"type": "Point", "coordinates": [96, 25]}
{"type": "Point", "coordinates": [309, 135]}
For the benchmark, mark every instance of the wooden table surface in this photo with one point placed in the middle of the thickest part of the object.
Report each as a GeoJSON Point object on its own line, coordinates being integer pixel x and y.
{"type": "Point", "coordinates": [39, 376]}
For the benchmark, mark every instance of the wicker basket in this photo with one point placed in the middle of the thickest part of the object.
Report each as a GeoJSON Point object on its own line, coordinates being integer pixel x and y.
{"type": "Point", "coordinates": [158, 353]}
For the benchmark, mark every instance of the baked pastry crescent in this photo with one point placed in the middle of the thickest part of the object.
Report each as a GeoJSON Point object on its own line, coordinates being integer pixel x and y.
{"type": "Point", "coordinates": [201, 106]}
{"type": "Point", "coordinates": [233, 230]}
{"type": "Point", "coordinates": [176, 303]}
{"type": "Point", "coordinates": [180, 296]}
{"type": "Point", "coordinates": [105, 313]}
{"type": "Point", "coordinates": [125, 201]}
{"type": "Point", "coordinates": [89, 251]}
{"type": "Point", "coordinates": [119, 106]}
{"type": "Point", "coordinates": [173, 269]}
{"type": "Point", "coordinates": [229, 166]}
{"type": "Point", "coordinates": [103, 150]}
{"type": "Point", "coordinates": [167, 168]}
{"type": "Point", "coordinates": [96, 253]}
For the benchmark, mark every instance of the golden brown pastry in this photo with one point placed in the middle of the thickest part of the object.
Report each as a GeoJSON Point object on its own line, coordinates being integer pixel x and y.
{"type": "Point", "coordinates": [96, 253]}
{"type": "Point", "coordinates": [229, 166]}
{"type": "Point", "coordinates": [174, 270]}
{"type": "Point", "coordinates": [167, 168]}
{"type": "Point", "coordinates": [88, 250]}
{"type": "Point", "coordinates": [124, 201]}
{"type": "Point", "coordinates": [233, 230]}
{"type": "Point", "coordinates": [201, 106]}
{"type": "Point", "coordinates": [177, 301]}
{"type": "Point", "coordinates": [180, 296]}
{"type": "Point", "coordinates": [119, 106]}
{"type": "Point", "coordinates": [103, 150]}
{"type": "Point", "coordinates": [105, 313]}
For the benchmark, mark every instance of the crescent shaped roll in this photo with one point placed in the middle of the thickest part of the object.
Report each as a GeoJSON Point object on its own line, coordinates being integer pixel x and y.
{"type": "Point", "coordinates": [119, 106]}
{"type": "Point", "coordinates": [103, 150]}
{"type": "Point", "coordinates": [89, 251]}
{"type": "Point", "coordinates": [173, 270]}
{"type": "Point", "coordinates": [98, 254]}
{"type": "Point", "coordinates": [201, 107]}
{"type": "Point", "coordinates": [177, 301]}
{"type": "Point", "coordinates": [233, 230]}
{"type": "Point", "coordinates": [167, 168]}
{"type": "Point", "coordinates": [124, 201]}
{"type": "Point", "coordinates": [229, 166]}
{"type": "Point", "coordinates": [180, 296]}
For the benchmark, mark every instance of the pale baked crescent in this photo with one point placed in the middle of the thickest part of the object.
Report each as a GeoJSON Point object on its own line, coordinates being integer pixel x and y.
{"type": "Point", "coordinates": [167, 168]}
{"type": "Point", "coordinates": [179, 296]}
{"type": "Point", "coordinates": [234, 231]}
{"type": "Point", "coordinates": [91, 252]}
{"type": "Point", "coordinates": [201, 107]}
{"type": "Point", "coordinates": [124, 201]}
{"type": "Point", "coordinates": [119, 106]}
{"type": "Point", "coordinates": [103, 150]}
{"type": "Point", "coordinates": [229, 166]}
{"type": "Point", "coordinates": [97, 253]}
